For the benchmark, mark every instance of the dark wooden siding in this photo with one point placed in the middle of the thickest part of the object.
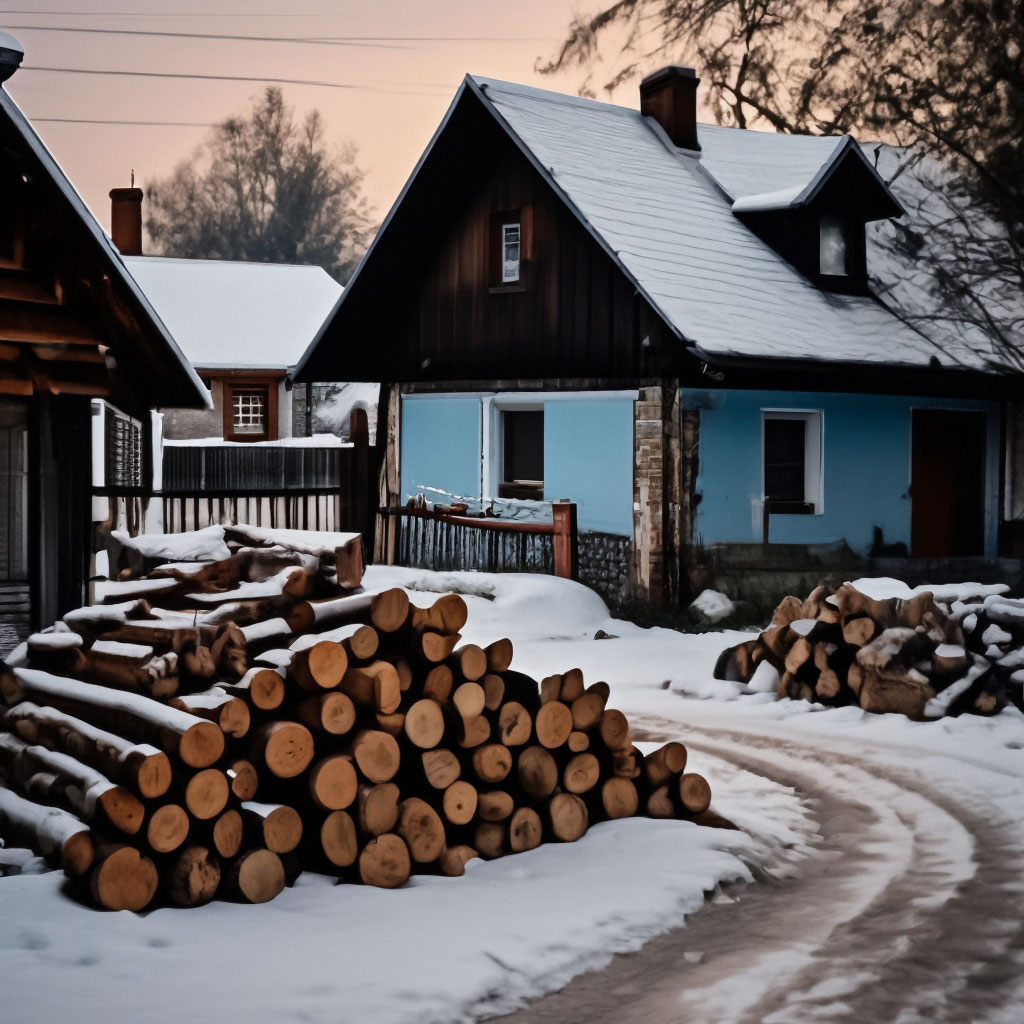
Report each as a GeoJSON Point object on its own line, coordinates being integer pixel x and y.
{"type": "Point", "coordinates": [424, 306]}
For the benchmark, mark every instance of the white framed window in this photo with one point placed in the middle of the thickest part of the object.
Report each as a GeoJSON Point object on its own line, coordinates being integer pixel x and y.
{"type": "Point", "coordinates": [832, 251]}
{"type": "Point", "coordinates": [791, 461]}
{"type": "Point", "coordinates": [249, 410]}
{"type": "Point", "coordinates": [510, 247]}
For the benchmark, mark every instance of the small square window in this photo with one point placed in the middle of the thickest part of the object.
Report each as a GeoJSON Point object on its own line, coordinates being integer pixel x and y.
{"type": "Point", "coordinates": [249, 410]}
{"type": "Point", "coordinates": [510, 238]}
{"type": "Point", "coordinates": [522, 457]}
{"type": "Point", "coordinates": [791, 461]}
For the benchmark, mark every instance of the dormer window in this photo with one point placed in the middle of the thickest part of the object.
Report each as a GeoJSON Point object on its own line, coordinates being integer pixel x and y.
{"type": "Point", "coordinates": [833, 234]}
{"type": "Point", "coordinates": [510, 238]}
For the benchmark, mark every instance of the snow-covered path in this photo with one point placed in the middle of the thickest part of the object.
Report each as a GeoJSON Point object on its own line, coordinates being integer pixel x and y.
{"type": "Point", "coordinates": [910, 909]}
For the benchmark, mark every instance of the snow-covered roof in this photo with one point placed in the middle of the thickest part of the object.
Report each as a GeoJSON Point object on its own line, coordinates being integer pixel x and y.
{"type": "Point", "coordinates": [667, 216]}
{"type": "Point", "coordinates": [234, 315]}
{"type": "Point", "coordinates": [175, 382]}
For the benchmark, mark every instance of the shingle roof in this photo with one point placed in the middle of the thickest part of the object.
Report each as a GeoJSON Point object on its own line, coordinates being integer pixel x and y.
{"type": "Point", "coordinates": [666, 215]}
{"type": "Point", "coordinates": [228, 315]}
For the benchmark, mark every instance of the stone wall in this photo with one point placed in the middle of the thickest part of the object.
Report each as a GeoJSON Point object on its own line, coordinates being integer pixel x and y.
{"type": "Point", "coordinates": [604, 565]}
{"type": "Point", "coordinates": [188, 424]}
{"type": "Point", "coordinates": [657, 483]}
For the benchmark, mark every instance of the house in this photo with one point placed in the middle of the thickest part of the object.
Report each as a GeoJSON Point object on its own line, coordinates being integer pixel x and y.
{"type": "Point", "coordinates": [671, 324]}
{"type": "Point", "coordinates": [242, 326]}
{"type": "Point", "coordinates": [74, 326]}
{"type": "Point", "coordinates": [264, 451]}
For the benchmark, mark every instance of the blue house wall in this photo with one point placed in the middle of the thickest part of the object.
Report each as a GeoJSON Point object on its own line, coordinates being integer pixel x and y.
{"type": "Point", "coordinates": [588, 452]}
{"type": "Point", "coordinates": [866, 455]}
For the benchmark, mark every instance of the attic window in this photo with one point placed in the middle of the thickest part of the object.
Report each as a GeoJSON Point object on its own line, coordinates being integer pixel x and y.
{"type": "Point", "coordinates": [510, 237]}
{"type": "Point", "coordinates": [833, 246]}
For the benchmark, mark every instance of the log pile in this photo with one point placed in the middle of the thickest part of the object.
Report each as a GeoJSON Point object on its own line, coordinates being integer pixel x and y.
{"type": "Point", "coordinates": [216, 734]}
{"type": "Point", "coordinates": [921, 657]}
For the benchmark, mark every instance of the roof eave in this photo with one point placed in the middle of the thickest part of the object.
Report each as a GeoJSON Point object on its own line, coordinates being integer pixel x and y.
{"type": "Point", "coordinates": [828, 168]}
{"type": "Point", "coordinates": [199, 398]}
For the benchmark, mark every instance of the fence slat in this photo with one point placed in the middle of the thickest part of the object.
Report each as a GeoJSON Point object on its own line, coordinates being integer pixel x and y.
{"type": "Point", "coordinates": [439, 540]}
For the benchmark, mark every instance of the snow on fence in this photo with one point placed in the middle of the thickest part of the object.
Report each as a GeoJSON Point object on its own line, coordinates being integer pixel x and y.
{"type": "Point", "coordinates": [289, 488]}
{"type": "Point", "coordinates": [428, 538]}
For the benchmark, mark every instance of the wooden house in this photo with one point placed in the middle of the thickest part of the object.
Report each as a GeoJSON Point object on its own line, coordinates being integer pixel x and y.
{"type": "Point", "coordinates": [670, 324]}
{"type": "Point", "coordinates": [242, 325]}
{"type": "Point", "coordinates": [74, 326]}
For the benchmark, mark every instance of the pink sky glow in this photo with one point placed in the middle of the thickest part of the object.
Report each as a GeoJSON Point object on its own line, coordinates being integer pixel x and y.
{"type": "Point", "coordinates": [402, 59]}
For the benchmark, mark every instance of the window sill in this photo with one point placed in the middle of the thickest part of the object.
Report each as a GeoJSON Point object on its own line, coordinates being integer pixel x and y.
{"type": "Point", "coordinates": [521, 492]}
{"type": "Point", "coordinates": [506, 289]}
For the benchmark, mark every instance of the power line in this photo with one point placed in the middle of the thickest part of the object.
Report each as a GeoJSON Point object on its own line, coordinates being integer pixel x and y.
{"type": "Point", "coordinates": [381, 43]}
{"type": "Point", "coordinates": [205, 78]}
{"type": "Point", "coordinates": [145, 124]}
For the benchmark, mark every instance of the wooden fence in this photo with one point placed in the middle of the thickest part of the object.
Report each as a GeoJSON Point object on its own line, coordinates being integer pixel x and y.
{"type": "Point", "coordinates": [278, 487]}
{"type": "Point", "coordinates": [439, 540]}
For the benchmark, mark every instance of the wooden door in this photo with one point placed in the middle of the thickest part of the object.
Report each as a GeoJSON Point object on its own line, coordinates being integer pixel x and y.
{"type": "Point", "coordinates": [947, 483]}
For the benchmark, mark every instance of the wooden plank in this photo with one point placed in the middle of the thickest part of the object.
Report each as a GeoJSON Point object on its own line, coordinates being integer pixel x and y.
{"type": "Point", "coordinates": [21, 321]}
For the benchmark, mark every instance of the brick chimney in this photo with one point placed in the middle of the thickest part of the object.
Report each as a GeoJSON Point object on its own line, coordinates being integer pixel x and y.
{"type": "Point", "coordinates": [670, 97]}
{"type": "Point", "coordinates": [126, 220]}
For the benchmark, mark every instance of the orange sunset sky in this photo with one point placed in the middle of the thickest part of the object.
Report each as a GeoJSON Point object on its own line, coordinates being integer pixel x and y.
{"type": "Point", "coordinates": [400, 75]}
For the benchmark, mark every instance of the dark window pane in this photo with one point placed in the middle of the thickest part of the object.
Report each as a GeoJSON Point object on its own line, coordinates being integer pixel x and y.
{"type": "Point", "coordinates": [524, 446]}
{"type": "Point", "coordinates": [784, 449]}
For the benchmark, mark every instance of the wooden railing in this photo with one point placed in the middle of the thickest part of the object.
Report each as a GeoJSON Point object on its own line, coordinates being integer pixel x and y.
{"type": "Point", "coordinates": [440, 540]}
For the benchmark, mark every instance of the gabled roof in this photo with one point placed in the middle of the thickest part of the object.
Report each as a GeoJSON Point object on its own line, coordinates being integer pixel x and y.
{"type": "Point", "coordinates": [661, 212]}
{"type": "Point", "coordinates": [235, 315]}
{"type": "Point", "coordinates": [169, 378]}
{"type": "Point", "coordinates": [666, 217]}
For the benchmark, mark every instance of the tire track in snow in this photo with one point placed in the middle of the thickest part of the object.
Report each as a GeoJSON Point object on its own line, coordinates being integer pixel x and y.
{"type": "Point", "coordinates": [910, 910]}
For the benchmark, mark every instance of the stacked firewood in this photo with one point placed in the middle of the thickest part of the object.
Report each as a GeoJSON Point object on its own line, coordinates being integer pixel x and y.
{"type": "Point", "coordinates": [217, 735]}
{"type": "Point", "coordinates": [918, 656]}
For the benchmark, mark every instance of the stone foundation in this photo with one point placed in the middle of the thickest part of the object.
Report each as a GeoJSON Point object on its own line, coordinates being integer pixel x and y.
{"type": "Point", "coordinates": [604, 565]}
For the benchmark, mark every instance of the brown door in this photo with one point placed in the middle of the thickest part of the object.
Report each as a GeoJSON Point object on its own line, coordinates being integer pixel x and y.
{"type": "Point", "coordinates": [947, 483]}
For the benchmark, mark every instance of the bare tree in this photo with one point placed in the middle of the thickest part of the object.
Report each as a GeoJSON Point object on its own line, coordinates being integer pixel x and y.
{"type": "Point", "coordinates": [264, 187]}
{"type": "Point", "coordinates": [941, 79]}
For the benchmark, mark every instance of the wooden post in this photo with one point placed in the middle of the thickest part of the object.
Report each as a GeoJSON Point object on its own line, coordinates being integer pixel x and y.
{"type": "Point", "coordinates": [566, 539]}
{"type": "Point", "coordinates": [389, 413]}
{"type": "Point", "coordinates": [362, 507]}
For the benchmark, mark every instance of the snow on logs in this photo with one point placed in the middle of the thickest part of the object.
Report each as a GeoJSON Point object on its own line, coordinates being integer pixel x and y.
{"type": "Point", "coordinates": [919, 656]}
{"type": "Point", "coordinates": [352, 734]}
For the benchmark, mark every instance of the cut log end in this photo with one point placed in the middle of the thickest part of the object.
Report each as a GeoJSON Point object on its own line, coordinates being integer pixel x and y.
{"type": "Point", "coordinates": [201, 745]}
{"type": "Point", "coordinates": [167, 828]}
{"type": "Point", "coordinates": [338, 839]}
{"type": "Point", "coordinates": [193, 878]}
{"type": "Point", "coordinates": [256, 877]}
{"type": "Point", "coordinates": [694, 793]}
{"type": "Point", "coordinates": [384, 862]}
{"type": "Point", "coordinates": [124, 880]}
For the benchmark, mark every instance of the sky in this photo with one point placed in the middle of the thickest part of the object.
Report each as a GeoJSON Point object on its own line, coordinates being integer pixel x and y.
{"type": "Point", "coordinates": [400, 61]}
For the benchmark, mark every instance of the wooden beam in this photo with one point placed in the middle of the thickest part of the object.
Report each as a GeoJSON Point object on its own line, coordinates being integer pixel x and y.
{"type": "Point", "coordinates": [21, 286]}
{"type": "Point", "coordinates": [21, 321]}
{"type": "Point", "coordinates": [65, 354]}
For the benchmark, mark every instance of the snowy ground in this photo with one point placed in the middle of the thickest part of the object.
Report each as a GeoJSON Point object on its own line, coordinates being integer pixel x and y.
{"type": "Point", "coordinates": [858, 827]}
